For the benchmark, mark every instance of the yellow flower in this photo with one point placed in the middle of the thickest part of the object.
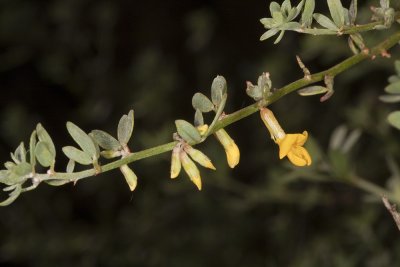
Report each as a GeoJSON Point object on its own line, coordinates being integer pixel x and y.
{"type": "Point", "coordinates": [130, 176]}
{"type": "Point", "coordinates": [175, 161]}
{"type": "Point", "coordinates": [290, 145]}
{"type": "Point", "coordinates": [191, 169]}
{"type": "Point", "coordinates": [231, 149]}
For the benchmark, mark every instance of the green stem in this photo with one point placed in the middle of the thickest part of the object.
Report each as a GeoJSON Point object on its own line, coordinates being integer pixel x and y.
{"type": "Point", "coordinates": [372, 188]}
{"type": "Point", "coordinates": [238, 115]}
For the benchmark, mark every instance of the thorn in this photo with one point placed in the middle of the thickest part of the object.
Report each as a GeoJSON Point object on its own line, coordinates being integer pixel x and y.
{"type": "Point", "coordinates": [307, 74]}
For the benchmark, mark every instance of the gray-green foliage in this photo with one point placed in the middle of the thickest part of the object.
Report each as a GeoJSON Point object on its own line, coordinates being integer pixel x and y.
{"type": "Point", "coordinates": [393, 95]}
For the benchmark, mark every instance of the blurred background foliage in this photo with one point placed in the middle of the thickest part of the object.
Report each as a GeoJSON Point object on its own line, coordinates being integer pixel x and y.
{"type": "Point", "coordinates": [91, 61]}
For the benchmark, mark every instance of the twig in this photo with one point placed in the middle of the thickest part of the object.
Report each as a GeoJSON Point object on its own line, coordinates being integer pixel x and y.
{"type": "Point", "coordinates": [392, 209]}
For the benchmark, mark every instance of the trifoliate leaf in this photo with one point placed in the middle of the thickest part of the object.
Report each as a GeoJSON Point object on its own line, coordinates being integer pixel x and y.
{"type": "Point", "coordinates": [105, 140]}
{"type": "Point", "coordinates": [394, 119]}
{"type": "Point", "coordinates": [202, 103]}
{"type": "Point", "coordinates": [82, 139]}
{"type": "Point", "coordinates": [218, 89]}
{"type": "Point", "coordinates": [77, 155]}
{"type": "Point", "coordinates": [187, 131]}
{"type": "Point", "coordinates": [44, 154]}
{"type": "Point", "coordinates": [125, 128]}
{"type": "Point", "coordinates": [336, 10]}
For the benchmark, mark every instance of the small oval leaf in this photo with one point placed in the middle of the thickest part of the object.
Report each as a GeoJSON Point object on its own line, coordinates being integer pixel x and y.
{"type": "Point", "coordinates": [218, 89]}
{"type": "Point", "coordinates": [202, 103]}
{"type": "Point", "coordinates": [394, 119]}
{"type": "Point", "coordinates": [198, 118]}
{"type": "Point", "coordinates": [125, 128]}
{"type": "Point", "coordinates": [32, 146]}
{"type": "Point", "coordinates": [44, 154]}
{"type": "Point", "coordinates": [390, 98]}
{"type": "Point", "coordinates": [77, 155]}
{"type": "Point", "coordinates": [336, 10]}
{"type": "Point", "coordinates": [105, 140]}
{"type": "Point", "coordinates": [187, 131]}
{"type": "Point", "coordinates": [43, 135]}
{"type": "Point", "coordinates": [325, 22]}
{"type": "Point", "coordinates": [393, 88]}
{"type": "Point", "coordinates": [82, 139]}
{"type": "Point", "coordinates": [312, 90]}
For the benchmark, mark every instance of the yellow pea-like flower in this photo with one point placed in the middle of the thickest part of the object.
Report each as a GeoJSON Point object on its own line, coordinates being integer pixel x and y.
{"type": "Point", "coordinates": [199, 157]}
{"type": "Point", "coordinates": [231, 149]}
{"type": "Point", "coordinates": [191, 169]}
{"type": "Point", "coordinates": [290, 145]}
{"type": "Point", "coordinates": [176, 161]}
{"type": "Point", "coordinates": [130, 176]}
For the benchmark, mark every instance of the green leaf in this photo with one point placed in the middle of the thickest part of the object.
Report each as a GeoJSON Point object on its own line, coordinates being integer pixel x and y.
{"type": "Point", "coordinates": [307, 16]}
{"type": "Point", "coordinates": [390, 98]}
{"type": "Point", "coordinates": [12, 196]}
{"type": "Point", "coordinates": [279, 38]}
{"type": "Point", "coordinates": [353, 11]}
{"type": "Point", "coordinates": [187, 131]}
{"type": "Point", "coordinates": [125, 128]}
{"type": "Point", "coordinates": [105, 140]}
{"type": "Point", "coordinates": [393, 79]}
{"type": "Point", "coordinates": [325, 22]}
{"type": "Point", "coordinates": [286, 6]}
{"type": "Point", "coordinates": [202, 103]}
{"type": "Point", "coordinates": [394, 119]}
{"type": "Point", "coordinates": [218, 89]}
{"type": "Point", "coordinates": [336, 9]}
{"type": "Point", "coordinates": [393, 88]}
{"type": "Point", "coordinates": [312, 90]}
{"type": "Point", "coordinates": [268, 34]}
{"type": "Point", "coordinates": [255, 92]}
{"type": "Point", "coordinates": [44, 154]}
{"type": "Point", "coordinates": [22, 169]}
{"type": "Point", "coordinates": [32, 146]}
{"type": "Point", "coordinates": [397, 66]}
{"type": "Point", "coordinates": [20, 153]}
{"type": "Point", "coordinates": [77, 155]}
{"type": "Point", "coordinates": [290, 26]}
{"type": "Point", "coordinates": [274, 7]}
{"type": "Point", "coordinates": [70, 166]}
{"type": "Point", "coordinates": [198, 118]}
{"type": "Point", "coordinates": [45, 137]}
{"type": "Point", "coordinates": [82, 139]}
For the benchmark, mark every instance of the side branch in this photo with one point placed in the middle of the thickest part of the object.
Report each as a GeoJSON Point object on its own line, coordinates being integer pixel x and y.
{"type": "Point", "coordinates": [240, 114]}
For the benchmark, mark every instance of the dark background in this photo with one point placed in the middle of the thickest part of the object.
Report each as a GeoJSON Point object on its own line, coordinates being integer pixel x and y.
{"type": "Point", "coordinates": [91, 61]}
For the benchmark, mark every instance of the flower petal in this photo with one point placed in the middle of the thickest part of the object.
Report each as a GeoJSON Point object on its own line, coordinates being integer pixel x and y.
{"type": "Point", "coordinates": [299, 156]}
{"type": "Point", "coordinates": [302, 138]}
{"type": "Point", "coordinates": [286, 144]}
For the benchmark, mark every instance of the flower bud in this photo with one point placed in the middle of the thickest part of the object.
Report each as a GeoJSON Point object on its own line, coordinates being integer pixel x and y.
{"type": "Point", "coordinates": [202, 129]}
{"type": "Point", "coordinates": [191, 169]}
{"type": "Point", "coordinates": [130, 176]}
{"type": "Point", "coordinates": [199, 157]}
{"type": "Point", "coordinates": [231, 149]}
{"type": "Point", "coordinates": [175, 161]}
